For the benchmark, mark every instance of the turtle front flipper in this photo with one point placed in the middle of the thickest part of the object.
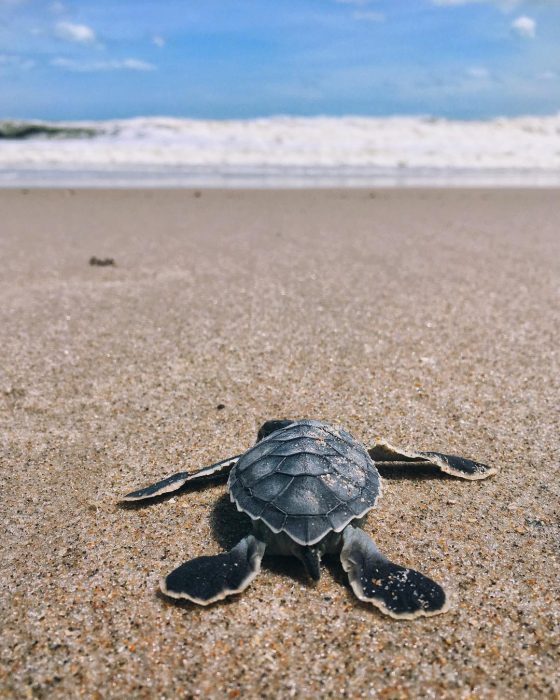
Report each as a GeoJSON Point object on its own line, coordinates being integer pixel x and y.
{"type": "Point", "coordinates": [397, 591]}
{"type": "Point", "coordinates": [271, 426]}
{"type": "Point", "coordinates": [177, 481]}
{"type": "Point", "coordinates": [205, 580]}
{"type": "Point", "coordinates": [385, 455]}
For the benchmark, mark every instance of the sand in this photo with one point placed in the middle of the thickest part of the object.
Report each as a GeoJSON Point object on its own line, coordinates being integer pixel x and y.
{"type": "Point", "coordinates": [426, 317]}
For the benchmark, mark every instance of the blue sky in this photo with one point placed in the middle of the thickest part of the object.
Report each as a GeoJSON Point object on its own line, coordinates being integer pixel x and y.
{"type": "Point", "coordinates": [97, 59]}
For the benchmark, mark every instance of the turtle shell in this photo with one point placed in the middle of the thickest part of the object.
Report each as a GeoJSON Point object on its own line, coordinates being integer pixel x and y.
{"type": "Point", "coordinates": [306, 479]}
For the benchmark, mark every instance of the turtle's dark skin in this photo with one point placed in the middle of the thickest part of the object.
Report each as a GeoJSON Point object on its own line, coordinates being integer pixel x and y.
{"type": "Point", "coordinates": [307, 488]}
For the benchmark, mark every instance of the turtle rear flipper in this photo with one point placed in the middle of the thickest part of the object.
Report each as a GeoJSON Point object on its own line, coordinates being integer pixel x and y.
{"type": "Point", "coordinates": [386, 455]}
{"type": "Point", "coordinates": [177, 481]}
{"type": "Point", "coordinates": [397, 591]}
{"type": "Point", "coordinates": [205, 580]}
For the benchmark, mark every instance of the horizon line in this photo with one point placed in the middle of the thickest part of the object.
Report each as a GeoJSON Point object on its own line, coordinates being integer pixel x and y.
{"type": "Point", "coordinates": [285, 115]}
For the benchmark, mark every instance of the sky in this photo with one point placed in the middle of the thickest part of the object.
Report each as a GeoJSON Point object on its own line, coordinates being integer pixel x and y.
{"type": "Point", "coordinates": [238, 59]}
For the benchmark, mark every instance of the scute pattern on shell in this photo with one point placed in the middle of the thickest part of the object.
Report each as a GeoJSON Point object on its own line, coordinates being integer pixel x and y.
{"type": "Point", "coordinates": [306, 480]}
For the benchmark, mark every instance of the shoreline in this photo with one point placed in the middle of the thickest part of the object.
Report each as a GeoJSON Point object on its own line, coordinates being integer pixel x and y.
{"type": "Point", "coordinates": [279, 179]}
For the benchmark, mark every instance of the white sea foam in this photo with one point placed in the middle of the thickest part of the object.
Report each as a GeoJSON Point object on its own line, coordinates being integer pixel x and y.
{"type": "Point", "coordinates": [345, 150]}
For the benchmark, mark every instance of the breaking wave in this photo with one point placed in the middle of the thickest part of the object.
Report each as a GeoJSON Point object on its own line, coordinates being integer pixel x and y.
{"type": "Point", "coordinates": [311, 147]}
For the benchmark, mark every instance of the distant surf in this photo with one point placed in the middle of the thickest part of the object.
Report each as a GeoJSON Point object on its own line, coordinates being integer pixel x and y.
{"type": "Point", "coordinates": [281, 151]}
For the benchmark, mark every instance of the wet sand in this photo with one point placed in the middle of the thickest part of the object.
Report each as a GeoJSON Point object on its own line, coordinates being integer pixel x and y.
{"type": "Point", "coordinates": [426, 317]}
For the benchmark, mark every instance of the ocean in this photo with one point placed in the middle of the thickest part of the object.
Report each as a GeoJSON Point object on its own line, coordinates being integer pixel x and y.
{"type": "Point", "coordinates": [281, 152]}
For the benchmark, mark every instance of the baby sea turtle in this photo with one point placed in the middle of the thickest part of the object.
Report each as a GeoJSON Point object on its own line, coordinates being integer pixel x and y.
{"type": "Point", "coordinates": [307, 487]}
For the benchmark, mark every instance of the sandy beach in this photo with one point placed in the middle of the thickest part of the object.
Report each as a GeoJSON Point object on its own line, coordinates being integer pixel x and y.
{"type": "Point", "coordinates": [427, 317]}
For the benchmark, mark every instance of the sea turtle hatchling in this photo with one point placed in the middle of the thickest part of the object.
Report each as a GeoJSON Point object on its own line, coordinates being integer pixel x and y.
{"type": "Point", "coordinates": [307, 487]}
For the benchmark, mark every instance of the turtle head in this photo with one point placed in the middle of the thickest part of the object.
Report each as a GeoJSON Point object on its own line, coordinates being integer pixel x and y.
{"type": "Point", "coordinates": [271, 426]}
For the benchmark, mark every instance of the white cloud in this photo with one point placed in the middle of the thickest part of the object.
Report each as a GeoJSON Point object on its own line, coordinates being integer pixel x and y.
{"type": "Point", "coordinates": [14, 61]}
{"type": "Point", "coordinates": [356, 3]}
{"type": "Point", "coordinates": [451, 3]}
{"type": "Point", "coordinates": [506, 5]}
{"type": "Point", "coordinates": [79, 33]}
{"type": "Point", "coordinates": [136, 64]}
{"type": "Point", "coordinates": [525, 27]}
{"type": "Point", "coordinates": [158, 41]}
{"type": "Point", "coordinates": [100, 66]}
{"type": "Point", "coordinates": [369, 16]}
{"type": "Point", "coordinates": [478, 72]}
{"type": "Point", "coordinates": [548, 75]}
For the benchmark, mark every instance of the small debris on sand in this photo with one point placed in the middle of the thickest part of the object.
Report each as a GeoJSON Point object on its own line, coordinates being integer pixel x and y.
{"type": "Point", "coordinates": [101, 262]}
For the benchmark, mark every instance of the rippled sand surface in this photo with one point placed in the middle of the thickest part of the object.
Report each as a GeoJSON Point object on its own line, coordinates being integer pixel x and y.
{"type": "Point", "coordinates": [426, 317]}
